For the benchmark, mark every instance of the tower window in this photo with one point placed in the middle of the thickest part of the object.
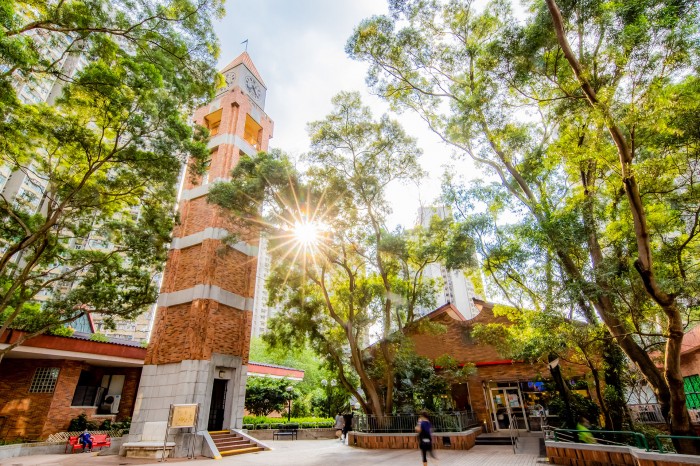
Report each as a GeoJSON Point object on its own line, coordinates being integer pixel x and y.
{"type": "Point", "coordinates": [213, 121]}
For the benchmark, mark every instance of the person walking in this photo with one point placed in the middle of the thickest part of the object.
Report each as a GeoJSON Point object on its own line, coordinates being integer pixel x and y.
{"type": "Point", "coordinates": [425, 437]}
{"type": "Point", "coordinates": [339, 423]}
{"type": "Point", "coordinates": [347, 426]}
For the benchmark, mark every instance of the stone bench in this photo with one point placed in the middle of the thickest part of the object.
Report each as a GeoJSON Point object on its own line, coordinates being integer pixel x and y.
{"type": "Point", "coordinates": [152, 443]}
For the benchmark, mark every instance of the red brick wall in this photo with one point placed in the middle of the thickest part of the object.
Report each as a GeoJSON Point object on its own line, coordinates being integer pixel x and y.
{"type": "Point", "coordinates": [37, 415]}
{"type": "Point", "coordinates": [457, 342]}
{"type": "Point", "coordinates": [195, 330]}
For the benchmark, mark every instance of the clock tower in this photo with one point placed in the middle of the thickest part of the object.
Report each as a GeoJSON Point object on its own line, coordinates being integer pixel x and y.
{"type": "Point", "coordinates": [199, 346]}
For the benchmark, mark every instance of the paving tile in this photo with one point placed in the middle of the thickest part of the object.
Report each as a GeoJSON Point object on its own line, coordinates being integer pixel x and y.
{"type": "Point", "coordinates": [312, 453]}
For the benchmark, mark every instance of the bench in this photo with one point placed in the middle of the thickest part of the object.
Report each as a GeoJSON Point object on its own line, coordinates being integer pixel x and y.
{"type": "Point", "coordinates": [98, 441]}
{"type": "Point", "coordinates": [288, 430]}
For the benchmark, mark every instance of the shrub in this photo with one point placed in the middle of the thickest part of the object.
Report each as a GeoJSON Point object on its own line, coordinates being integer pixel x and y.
{"type": "Point", "coordinates": [99, 337]}
{"type": "Point", "coordinates": [81, 423]}
{"type": "Point", "coordinates": [63, 331]}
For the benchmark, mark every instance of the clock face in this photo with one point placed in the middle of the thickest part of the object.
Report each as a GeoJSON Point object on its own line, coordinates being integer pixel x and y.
{"type": "Point", "coordinates": [229, 77]}
{"type": "Point", "coordinates": [253, 87]}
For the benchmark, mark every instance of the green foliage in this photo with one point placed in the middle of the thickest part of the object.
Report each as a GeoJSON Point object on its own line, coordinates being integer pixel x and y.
{"type": "Point", "coordinates": [264, 395]}
{"type": "Point", "coordinates": [104, 152]}
{"type": "Point", "coordinates": [99, 337]}
{"type": "Point", "coordinates": [360, 274]}
{"type": "Point", "coordinates": [587, 204]}
{"type": "Point", "coordinates": [580, 406]}
{"type": "Point", "coordinates": [81, 423]}
{"type": "Point", "coordinates": [63, 331]}
{"type": "Point", "coordinates": [258, 420]}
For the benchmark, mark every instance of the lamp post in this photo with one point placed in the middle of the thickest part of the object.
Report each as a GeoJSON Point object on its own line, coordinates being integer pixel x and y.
{"type": "Point", "coordinates": [329, 392]}
{"type": "Point", "coordinates": [289, 398]}
{"type": "Point", "coordinates": [324, 382]}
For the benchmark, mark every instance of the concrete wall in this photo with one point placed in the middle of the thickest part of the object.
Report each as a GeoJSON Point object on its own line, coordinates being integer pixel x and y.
{"type": "Point", "coordinates": [27, 449]}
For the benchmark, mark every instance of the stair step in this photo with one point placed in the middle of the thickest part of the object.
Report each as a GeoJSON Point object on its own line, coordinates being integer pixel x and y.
{"type": "Point", "coordinates": [494, 441]}
{"type": "Point", "coordinates": [224, 446]}
{"type": "Point", "coordinates": [240, 451]}
{"type": "Point", "coordinates": [235, 447]}
{"type": "Point", "coordinates": [212, 432]}
{"type": "Point", "coordinates": [224, 435]}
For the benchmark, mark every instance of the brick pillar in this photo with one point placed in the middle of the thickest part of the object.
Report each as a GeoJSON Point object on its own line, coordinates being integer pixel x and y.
{"type": "Point", "coordinates": [203, 322]}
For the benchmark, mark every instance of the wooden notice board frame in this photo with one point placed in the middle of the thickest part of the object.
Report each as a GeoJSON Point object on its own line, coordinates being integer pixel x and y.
{"type": "Point", "coordinates": [182, 416]}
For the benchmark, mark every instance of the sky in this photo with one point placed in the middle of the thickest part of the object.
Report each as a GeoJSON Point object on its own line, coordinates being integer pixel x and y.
{"type": "Point", "coordinates": [299, 49]}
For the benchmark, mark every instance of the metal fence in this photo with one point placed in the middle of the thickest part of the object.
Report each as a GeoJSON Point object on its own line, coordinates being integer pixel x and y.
{"type": "Point", "coordinates": [649, 413]}
{"type": "Point", "coordinates": [443, 422]}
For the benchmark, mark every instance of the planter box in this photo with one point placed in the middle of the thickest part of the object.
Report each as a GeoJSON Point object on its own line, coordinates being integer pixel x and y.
{"type": "Point", "coordinates": [582, 454]}
{"type": "Point", "coordinates": [409, 441]}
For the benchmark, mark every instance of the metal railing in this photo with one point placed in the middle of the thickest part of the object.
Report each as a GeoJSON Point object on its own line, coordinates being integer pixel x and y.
{"type": "Point", "coordinates": [669, 446]}
{"type": "Point", "coordinates": [649, 413]}
{"type": "Point", "coordinates": [514, 433]}
{"type": "Point", "coordinates": [603, 437]}
{"type": "Point", "coordinates": [443, 422]}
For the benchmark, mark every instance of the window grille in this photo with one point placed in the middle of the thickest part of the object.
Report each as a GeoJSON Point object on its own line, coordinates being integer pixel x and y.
{"type": "Point", "coordinates": [691, 385]}
{"type": "Point", "coordinates": [44, 380]}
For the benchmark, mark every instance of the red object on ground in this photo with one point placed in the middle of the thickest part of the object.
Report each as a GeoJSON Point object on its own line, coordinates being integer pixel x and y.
{"type": "Point", "coordinates": [98, 440]}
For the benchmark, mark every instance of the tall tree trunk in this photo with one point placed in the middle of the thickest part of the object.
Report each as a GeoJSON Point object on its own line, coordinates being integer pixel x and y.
{"type": "Point", "coordinates": [679, 419]}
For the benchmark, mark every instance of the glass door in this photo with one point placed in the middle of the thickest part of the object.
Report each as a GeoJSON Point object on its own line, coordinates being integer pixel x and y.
{"type": "Point", "coordinates": [507, 404]}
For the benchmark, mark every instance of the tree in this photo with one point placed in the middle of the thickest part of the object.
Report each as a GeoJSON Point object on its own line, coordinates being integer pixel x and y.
{"type": "Point", "coordinates": [341, 274]}
{"type": "Point", "coordinates": [264, 395]}
{"type": "Point", "coordinates": [105, 152]}
{"type": "Point", "coordinates": [586, 116]}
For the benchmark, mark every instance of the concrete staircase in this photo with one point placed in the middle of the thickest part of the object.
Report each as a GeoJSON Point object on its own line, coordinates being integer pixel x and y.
{"type": "Point", "coordinates": [230, 443]}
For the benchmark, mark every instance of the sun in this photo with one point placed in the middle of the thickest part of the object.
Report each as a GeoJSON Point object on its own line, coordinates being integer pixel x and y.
{"type": "Point", "coordinates": [306, 233]}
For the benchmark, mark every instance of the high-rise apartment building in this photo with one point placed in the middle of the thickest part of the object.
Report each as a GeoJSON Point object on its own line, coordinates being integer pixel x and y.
{"type": "Point", "coordinates": [261, 311]}
{"type": "Point", "coordinates": [455, 287]}
{"type": "Point", "coordinates": [23, 186]}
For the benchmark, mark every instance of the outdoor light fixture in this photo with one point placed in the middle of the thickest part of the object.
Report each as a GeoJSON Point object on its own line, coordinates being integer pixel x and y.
{"type": "Point", "coordinates": [222, 374]}
{"type": "Point", "coordinates": [289, 398]}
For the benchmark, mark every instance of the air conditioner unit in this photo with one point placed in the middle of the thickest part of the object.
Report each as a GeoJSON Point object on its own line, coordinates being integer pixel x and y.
{"type": "Point", "coordinates": [111, 403]}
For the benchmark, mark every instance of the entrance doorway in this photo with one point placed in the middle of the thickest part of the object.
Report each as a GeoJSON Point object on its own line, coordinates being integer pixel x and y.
{"type": "Point", "coordinates": [217, 408]}
{"type": "Point", "coordinates": [507, 405]}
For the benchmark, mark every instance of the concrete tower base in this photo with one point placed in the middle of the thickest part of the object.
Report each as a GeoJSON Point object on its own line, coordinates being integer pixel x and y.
{"type": "Point", "coordinates": [188, 382]}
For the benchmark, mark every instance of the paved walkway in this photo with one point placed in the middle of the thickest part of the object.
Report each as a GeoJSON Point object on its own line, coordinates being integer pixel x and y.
{"type": "Point", "coordinates": [313, 453]}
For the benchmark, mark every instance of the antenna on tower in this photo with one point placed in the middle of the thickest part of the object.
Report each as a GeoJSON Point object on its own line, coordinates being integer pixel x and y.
{"type": "Point", "coordinates": [246, 44]}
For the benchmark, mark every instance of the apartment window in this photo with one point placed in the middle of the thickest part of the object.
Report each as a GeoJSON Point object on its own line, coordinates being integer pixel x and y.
{"type": "Point", "coordinates": [44, 380]}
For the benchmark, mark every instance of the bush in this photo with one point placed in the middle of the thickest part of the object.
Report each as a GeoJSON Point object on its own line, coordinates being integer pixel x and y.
{"type": "Point", "coordinates": [580, 406]}
{"type": "Point", "coordinates": [81, 423]}
{"type": "Point", "coordinates": [101, 337]}
{"type": "Point", "coordinates": [63, 331]}
{"type": "Point", "coordinates": [264, 422]}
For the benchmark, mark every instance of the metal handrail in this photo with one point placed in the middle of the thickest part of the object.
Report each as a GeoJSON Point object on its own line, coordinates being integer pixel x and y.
{"type": "Point", "coordinates": [514, 433]}
{"type": "Point", "coordinates": [680, 437]}
{"type": "Point", "coordinates": [640, 440]}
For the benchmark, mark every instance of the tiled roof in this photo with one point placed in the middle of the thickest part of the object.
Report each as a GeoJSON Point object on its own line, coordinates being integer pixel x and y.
{"type": "Point", "coordinates": [691, 340]}
{"type": "Point", "coordinates": [248, 62]}
{"type": "Point", "coordinates": [114, 341]}
{"type": "Point", "coordinates": [275, 366]}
